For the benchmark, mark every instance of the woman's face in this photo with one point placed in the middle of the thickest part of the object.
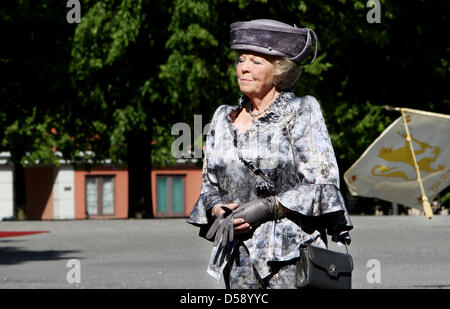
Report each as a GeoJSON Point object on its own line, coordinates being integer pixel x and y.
{"type": "Point", "coordinates": [255, 74]}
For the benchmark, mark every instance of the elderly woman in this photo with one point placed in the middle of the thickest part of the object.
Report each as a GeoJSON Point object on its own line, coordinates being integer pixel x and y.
{"type": "Point", "coordinates": [270, 178]}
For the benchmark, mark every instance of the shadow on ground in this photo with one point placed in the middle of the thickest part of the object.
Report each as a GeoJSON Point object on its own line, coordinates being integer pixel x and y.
{"type": "Point", "coordinates": [18, 255]}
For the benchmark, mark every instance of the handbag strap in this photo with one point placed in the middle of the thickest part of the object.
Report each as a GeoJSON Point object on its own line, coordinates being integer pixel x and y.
{"type": "Point", "coordinates": [346, 247]}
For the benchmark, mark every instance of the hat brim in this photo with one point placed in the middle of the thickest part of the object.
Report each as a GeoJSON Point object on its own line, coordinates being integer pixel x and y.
{"type": "Point", "coordinates": [257, 49]}
{"type": "Point", "coordinates": [272, 38]}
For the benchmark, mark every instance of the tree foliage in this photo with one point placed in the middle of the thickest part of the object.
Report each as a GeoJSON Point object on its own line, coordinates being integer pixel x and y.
{"type": "Point", "coordinates": [112, 86]}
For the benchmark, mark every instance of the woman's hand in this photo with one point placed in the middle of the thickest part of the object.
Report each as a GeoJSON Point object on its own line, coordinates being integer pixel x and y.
{"type": "Point", "coordinates": [217, 209]}
{"type": "Point", "coordinates": [240, 226]}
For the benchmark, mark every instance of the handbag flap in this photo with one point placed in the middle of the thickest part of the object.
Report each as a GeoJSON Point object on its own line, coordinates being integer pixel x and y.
{"type": "Point", "coordinates": [332, 261]}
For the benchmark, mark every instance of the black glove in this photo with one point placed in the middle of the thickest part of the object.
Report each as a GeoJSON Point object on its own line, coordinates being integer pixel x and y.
{"type": "Point", "coordinates": [255, 213]}
{"type": "Point", "coordinates": [217, 226]}
{"type": "Point", "coordinates": [343, 237]}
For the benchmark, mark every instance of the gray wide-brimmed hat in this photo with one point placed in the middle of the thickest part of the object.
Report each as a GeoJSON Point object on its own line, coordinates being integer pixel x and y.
{"type": "Point", "coordinates": [271, 37]}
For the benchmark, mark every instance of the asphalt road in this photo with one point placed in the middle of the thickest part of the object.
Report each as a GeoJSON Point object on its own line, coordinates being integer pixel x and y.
{"type": "Point", "coordinates": [388, 252]}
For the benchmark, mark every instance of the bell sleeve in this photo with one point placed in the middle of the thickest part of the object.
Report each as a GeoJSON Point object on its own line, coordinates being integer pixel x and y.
{"type": "Point", "coordinates": [210, 194]}
{"type": "Point", "coordinates": [314, 194]}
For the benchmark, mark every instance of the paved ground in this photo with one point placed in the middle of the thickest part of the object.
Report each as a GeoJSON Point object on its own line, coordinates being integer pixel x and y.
{"type": "Point", "coordinates": [409, 252]}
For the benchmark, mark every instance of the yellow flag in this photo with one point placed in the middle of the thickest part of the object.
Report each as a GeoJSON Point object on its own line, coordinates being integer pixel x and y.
{"type": "Point", "coordinates": [386, 170]}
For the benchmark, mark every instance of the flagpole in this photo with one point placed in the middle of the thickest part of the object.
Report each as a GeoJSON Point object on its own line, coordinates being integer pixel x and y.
{"type": "Point", "coordinates": [425, 203]}
{"type": "Point", "coordinates": [416, 111]}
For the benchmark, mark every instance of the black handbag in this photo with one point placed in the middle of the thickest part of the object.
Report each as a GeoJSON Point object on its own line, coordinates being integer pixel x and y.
{"type": "Point", "coordinates": [323, 269]}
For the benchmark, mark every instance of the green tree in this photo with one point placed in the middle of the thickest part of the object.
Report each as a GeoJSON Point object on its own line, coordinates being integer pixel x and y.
{"type": "Point", "coordinates": [34, 84]}
{"type": "Point", "coordinates": [116, 53]}
{"type": "Point", "coordinates": [112, 86]}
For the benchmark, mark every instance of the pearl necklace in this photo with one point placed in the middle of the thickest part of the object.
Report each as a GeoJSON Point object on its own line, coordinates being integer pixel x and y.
{"type": "Point", "coordinates": [257, 114]}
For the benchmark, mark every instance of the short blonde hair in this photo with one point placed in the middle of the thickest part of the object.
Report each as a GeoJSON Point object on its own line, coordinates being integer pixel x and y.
{"type": "Point", "coordinates": [285, 73]}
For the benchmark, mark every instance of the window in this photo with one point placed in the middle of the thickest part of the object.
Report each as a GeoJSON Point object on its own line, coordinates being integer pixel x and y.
{"type": "Point", "coordinates": [170, 196]}
{"type": "Point", "coordinates": [100, 196]}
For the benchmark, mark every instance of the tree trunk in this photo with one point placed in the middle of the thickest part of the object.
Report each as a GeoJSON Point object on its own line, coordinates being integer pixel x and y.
{"type": "Point", "coordinates": [19, 192]}
{"type": "Point", "coordinates": [139, 175]}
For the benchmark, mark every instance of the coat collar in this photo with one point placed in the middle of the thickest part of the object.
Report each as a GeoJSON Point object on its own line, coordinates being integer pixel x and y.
{"type": "Point", "coordinates": [278, 106]}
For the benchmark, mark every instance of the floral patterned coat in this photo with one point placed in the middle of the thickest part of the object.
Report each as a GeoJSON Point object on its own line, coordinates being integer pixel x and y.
{"type": "Point", "coordinates": [291, 145]}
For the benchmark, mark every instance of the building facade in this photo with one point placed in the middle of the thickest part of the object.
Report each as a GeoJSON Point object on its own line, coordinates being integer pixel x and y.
{"type": "Point", "coordinates": [6, 187]}
{"type": "Point", "coordinates": [65, 193]}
